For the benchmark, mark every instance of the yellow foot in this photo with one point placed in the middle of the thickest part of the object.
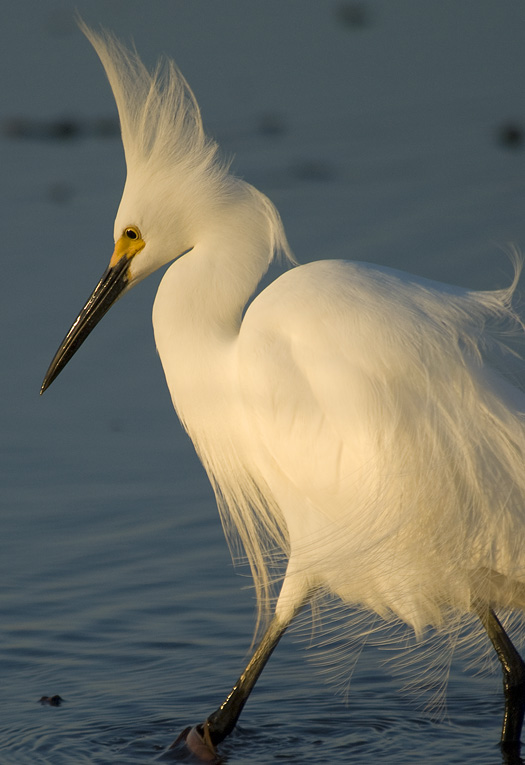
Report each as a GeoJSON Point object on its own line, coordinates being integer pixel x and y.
{"type": "Point", "coordinates": [199, 743]}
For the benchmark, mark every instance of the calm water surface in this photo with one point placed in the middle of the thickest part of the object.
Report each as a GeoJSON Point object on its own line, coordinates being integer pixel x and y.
{"type": "Point", "coordinates": [119, 595]}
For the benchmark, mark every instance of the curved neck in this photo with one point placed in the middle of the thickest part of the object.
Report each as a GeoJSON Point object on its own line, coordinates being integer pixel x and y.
{"type": "Point", "coordinates": [211, 284]}
{"type": "Point", "coordinates": [201, 299]}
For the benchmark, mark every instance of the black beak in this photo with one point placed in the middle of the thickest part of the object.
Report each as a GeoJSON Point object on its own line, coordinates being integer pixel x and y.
{"type": "Point", "coordinates": [113, 282]}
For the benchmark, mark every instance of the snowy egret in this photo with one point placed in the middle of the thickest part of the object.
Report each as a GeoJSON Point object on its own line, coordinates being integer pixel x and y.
{"type": "Point", "coordinates": [357, 418]}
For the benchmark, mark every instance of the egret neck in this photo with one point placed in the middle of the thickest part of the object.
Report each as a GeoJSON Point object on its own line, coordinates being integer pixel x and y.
{"type": "Point", "coordinates": [201, 299]}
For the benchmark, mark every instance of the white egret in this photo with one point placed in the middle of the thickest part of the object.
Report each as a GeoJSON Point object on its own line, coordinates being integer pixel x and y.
{"type": "Point", "coordinates": [354, 417]}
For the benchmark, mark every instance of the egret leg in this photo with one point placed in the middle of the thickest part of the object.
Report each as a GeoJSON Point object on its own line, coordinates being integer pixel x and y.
{"type": "Point", "coordinates": [203, 739]}
{"type": "Point", "coordinates": [513, 677]}
{"type": "Point", "coordinates": [221, 722]}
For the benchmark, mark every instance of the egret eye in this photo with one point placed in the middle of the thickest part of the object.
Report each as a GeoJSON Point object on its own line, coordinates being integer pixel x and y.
{"type": "Point", "coordinates": [131, 233]}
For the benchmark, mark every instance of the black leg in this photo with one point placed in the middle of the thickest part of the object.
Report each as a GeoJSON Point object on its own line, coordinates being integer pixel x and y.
{"type": "Point", "coordinates": [513, 677]}
{"type": "Point", "coordinates": [203, 739]}
{"type": "Point", "coordinates": [221, 722]}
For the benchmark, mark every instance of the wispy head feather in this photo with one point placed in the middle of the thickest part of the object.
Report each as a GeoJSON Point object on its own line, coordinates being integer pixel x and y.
{"type": "Point", "coordinates": [159, 116]}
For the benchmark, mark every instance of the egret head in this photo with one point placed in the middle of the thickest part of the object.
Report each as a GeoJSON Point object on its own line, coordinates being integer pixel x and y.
{"type": "Point", "coordinates": [175, 177]}
{"type": "Point", "coordinates": [175, 180]}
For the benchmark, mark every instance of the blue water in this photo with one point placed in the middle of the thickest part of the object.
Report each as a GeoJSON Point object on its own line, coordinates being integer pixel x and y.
{"type": "Point", "coordinates": [121, 599]}
{"type": "Point", "coordinates": [379, 139]}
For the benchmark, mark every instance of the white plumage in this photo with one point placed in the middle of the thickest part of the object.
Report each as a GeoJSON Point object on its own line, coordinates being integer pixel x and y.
{"type": "Point", "coordinates": [357, 418]}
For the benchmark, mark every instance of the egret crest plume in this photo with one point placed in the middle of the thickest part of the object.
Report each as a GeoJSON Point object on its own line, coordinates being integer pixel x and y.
{"type": "Point", "coordinates": [160, 119]}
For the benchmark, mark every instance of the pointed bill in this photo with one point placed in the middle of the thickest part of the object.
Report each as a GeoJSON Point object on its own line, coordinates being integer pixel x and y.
{"type": "Point", "coordinates": [112, 284]}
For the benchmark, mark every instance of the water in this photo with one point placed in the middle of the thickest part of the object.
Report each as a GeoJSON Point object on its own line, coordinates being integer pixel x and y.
{"type": "Point", "coordinates": [135, 618]}
{"type": "Point", "coordinates": [118, 592]}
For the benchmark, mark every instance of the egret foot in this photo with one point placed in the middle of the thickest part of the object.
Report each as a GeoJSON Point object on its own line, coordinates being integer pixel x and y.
{"type": "Point", "coordinates": [198, 742]}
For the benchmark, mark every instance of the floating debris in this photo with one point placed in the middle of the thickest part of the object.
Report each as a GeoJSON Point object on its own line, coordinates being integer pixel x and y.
{"type": "Point", "coordinates": [51, 701]}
